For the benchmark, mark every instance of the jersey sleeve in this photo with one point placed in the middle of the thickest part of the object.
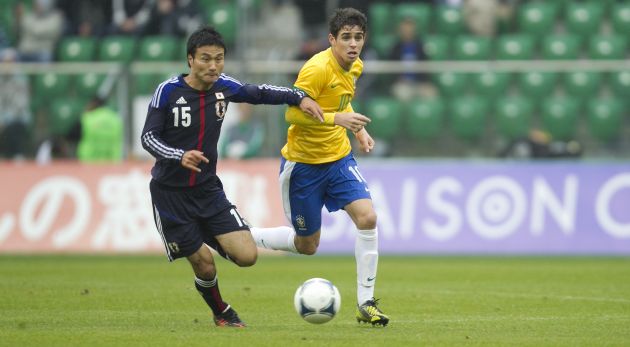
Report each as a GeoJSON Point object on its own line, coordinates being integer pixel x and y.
{"type": "Point", "coordinates": [268, 94]}
{"type": "Point", "coordinates": [151, 138]}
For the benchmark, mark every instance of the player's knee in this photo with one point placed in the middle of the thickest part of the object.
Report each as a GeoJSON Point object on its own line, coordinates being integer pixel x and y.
{"type": "Point", "coordinates": [366, 220]}
{"type": "Point", "coordinates": [307, 248]}
{"type": "Point", "coordinates": [246, 260]}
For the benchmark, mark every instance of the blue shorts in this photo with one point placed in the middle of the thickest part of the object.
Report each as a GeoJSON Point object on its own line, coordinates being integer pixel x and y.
{"type": "Point", "coordinates": [186, 218]}
{"type": "Point", "coordinates": [306, 188]}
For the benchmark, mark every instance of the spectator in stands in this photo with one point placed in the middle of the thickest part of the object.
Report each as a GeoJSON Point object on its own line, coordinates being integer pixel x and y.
{"type": "Point", "coordinates": [482, 17]}
{"type": "Point", "coordinates": [39, 31]}
{"type": "Point", "coordinates": [15, 114]}
{"type": "Point", "coordinates": [130, 16]}
{"type": "Point", "coordinates": [175, 18]}
{"type": "Point", "coordinates": [86, 18]}
{"type": "Point", "coordinates": [244, 138]}
{"type": "Point", "coordinates": [539, 144]}
{"type": "Point", "coordinates": [101, 133]}
{"type": "Point", "coordinates": [409, 48]}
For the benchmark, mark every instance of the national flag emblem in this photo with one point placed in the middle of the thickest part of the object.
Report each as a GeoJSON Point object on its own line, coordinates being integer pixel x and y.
{"type": "Point", "coordinates": [181, 100]}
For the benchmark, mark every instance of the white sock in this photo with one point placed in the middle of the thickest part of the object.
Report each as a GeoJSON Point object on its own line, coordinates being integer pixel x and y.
{"type": "Point", "coordinates": [366, 255]}
{"type": "Point", "coordinates": [278, 238]}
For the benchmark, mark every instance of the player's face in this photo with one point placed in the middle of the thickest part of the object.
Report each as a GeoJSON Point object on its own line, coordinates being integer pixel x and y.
{"type": "Point", "coordinates": [207, 64]}
{"type": "Point", "coordinates": [347, 46]}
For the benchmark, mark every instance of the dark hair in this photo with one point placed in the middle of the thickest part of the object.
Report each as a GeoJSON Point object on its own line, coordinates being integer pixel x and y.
{"type": "Point", "coordinates": [346, 17]}
{"type": "Point", "coordinates": [204, 36]}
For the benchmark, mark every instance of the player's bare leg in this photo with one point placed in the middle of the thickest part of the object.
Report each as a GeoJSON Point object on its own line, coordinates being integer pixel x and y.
{"type": "Point", "coordinates": [239, 247]}
{"type": "Point", "coordinates": [207, 284]}
{"type": "Point", "coordinates": [366, 254]}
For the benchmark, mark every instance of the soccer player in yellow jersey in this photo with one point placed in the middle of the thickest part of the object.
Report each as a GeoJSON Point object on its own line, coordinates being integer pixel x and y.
{"type": "Point", "coordinates": [318, 168]}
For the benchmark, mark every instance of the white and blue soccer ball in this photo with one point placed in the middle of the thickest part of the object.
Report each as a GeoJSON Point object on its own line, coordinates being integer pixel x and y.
{"type": "Point", "coordinates": [317, 300]}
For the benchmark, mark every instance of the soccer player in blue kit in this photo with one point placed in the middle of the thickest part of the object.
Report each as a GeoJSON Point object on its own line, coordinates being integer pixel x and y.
{"type": "Point", "coordinates": [191, 210]}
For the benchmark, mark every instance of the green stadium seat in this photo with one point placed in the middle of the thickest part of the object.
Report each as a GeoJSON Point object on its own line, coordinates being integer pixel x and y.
{"type": "Point", "coordinates": [537, 18]}
{"type": "Point", "coordinates": [604, 119]}
{"type": "Point", "coordinates": [223, 16]}
{"type": "Point", "coordinates": [468, 117]}
{"type": "Point", "coordinates": [559, 117]}
{"type": "Point", "coordinates": [158, 48]}
{"type": "Point", "coordinates": [64, 115]}
{"type": "Point", "coordinates": [560, 47]}
{"type": "Point", "coordinates": [383, 44]}
{"type": "Point", "coordinates": [420, 13]}
{"type": "Point", "coordinates": [620, 84]}
{"type": "Point", "coordinates": [425, 118]}
{"type": "Point", "coordinates": [515, 47]}
{"type": "Point", "coordinates": [146, 83]}
{"type": "Point", "coordinates": [117, 49]}
{"type": "Point", "coordinates": [584, 18]}
{"type": "Point", "coordinates": [51, 84]}
{"type": "Point", "coordinates": [380, 14]}
{"type": "Point", "coordinates": [513, 116]}
{"type": "Point", "coordinates": [451, 83]}
{"type": "Point", "coordinates": [437, 47]}
{"type": "Point", "coordinates": [621, 19]}
{"type": "Point", "coordinates": [87, 84]}
{"type": "Point", "coordinates": [491, 84]}
{"type": "Point", "coordinates": [449, 20]}
{"type": "Point", "coordinates": [76, 49]}
{"type": "Point", "coordinates": [608, 47]}
{"type": "Point", "coordinates": [469, 47]}
{"type": "Point", "coordinates": [386, 116]}
{"type": "Point", "coordinates": [537, 85]}
{"type": "Point", "coordinates": [582, 84]}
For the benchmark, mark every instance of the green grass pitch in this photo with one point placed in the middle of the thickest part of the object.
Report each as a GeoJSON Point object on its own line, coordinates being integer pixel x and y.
{"type": "Point", "coordinates": [432, 301]}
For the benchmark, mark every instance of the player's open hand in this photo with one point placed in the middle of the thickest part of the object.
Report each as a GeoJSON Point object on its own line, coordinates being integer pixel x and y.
{"type": "Point", "coordinates": [192, 158]}
{"type": "Point", "coordinates": [366, 142]}
{"type": "Point", "coordinates": [312, 108]}
{"type": "Point", "coordinates": [351, 121]}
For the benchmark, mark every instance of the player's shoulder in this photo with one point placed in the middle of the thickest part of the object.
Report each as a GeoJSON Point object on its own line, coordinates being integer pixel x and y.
{"type": "Point", "coordinates": [160, 96]}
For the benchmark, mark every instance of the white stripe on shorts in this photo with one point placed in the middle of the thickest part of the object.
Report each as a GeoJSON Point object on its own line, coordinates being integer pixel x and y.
{"type": "Point", "coordinates": [158, 224]}
{"type": "Point", "coordinates": [285, 185]}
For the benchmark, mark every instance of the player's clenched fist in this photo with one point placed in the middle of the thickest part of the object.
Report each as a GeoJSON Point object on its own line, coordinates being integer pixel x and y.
{"type": "Point", "coordinates": [192, 158]}
{"type": "Point", "coordinates": [351, 121]}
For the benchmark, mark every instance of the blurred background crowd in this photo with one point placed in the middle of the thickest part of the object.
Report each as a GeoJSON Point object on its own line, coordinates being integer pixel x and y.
{"type": "Point", "coordinates": [443, 78]}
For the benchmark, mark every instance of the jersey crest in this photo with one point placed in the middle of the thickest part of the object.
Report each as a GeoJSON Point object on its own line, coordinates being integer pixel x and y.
{"type": "Point", "coordinates": [221, 108]}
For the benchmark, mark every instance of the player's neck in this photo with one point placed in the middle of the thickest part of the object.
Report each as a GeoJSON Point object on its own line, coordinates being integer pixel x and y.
{"type": "Point", "coordinates": [197, 84]}
{"type": "Point", "coordinates": [344, 66]}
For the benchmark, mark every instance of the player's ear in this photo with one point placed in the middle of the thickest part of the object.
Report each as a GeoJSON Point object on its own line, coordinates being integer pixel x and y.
{"type": "Point", "coordinates": [331, 39]}
{"type": "Point", "coordinates": [190, 60]}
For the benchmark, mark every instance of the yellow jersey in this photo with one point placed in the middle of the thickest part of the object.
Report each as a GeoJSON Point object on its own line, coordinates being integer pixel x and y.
{"type": "Point", "coordinates": [325, 81]}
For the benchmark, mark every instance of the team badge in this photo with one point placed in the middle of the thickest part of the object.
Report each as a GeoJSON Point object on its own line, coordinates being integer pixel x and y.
{"type": "Point", "coordinates": [221, 108]}
{"type": "Point", "coordinates": [174, 247]}
{"type": "Point", "coordinates": [301, 222]}
{"type": "Point", "coordinates": [219, 96]}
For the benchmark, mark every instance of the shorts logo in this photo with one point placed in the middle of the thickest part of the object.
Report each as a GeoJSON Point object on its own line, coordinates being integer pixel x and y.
{"type": "Point", "coordinates": [221, 108]}
{"type": "Point", "coordinates": [174, 247]}
{"type": "Point", "coordinates": [301, 222]}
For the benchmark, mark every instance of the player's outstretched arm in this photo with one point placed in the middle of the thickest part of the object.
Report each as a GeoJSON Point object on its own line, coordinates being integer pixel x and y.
{"type": "Point", "coordinates": [351, 120]}
{"type": "Point", "coordinates": [192, 158]}
{"type": "Point", "coordinates": [366, 142]}
{"type": "Point", "coordinates": [312, 108]}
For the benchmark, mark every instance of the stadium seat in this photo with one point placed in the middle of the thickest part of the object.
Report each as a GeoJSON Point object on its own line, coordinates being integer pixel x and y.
{"type": "Point", "coordinates": [515, 47]}
{"type": "Point", "coordinates": [386, 116]}
{"type": "Point", "coordinates": [536, 18]}
{"type": "Point", "coordinates": [620, 84]}
{"type": "Point", "coordinates": [491, 84]}
{"type": "Point", "coordinates": [621, 19]}
{"type": "Point", "coordinates": [513, 115]}
{"type": "Point", "coordinates": [425, 118]}
{"type": "Point", "coordinates": [604, 118]}
{"type": "Point", "coordinates": [51, 84]}
{"type": "Point", "coordinates": [437, 47]}
{"type": "Point", "coordinates": [379, 14]}
{"type": "Point", "coordinates": [420, 13]}
{"type": "Point", "coordinates": [383, 45]}
{"type": "Point", "coordinates": [451, 83]}
{"type": "Point", "coordinates": [87, 84]}
{"type": "Point", "coordinates": [608, 47]}
{"type": "Point", "coordinates": [537, 85]}
{"type": "Point", "coordinates": [76, 49]}
{"type": "Point", "coordinates": [468, 47]}
{"type": "Point", "coordinates": [584, 18]}
{"type": "Point", "coordinates": [64, 114]}
{"type": "Point", "coordinates": [449, 21]}
{"type": "Point", "coordinates": [468, 117]}
{"type": "Point", "coordinates": [559, 117]}
{"type": "Point", "coordinates": [582, 84]}
{"type": "Point", "coordinates": [117, 49]}
{"type": "Point", "coordinates": [146, 83]}
{"type": "Point", "coordinates": [223, 16]}
{"type": "Point", "coordinates": [560, 47]}
{"type": "Point", "coordinates": [158, 48]}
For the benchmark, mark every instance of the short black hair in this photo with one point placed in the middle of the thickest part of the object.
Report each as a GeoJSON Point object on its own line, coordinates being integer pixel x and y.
{"type": "Point", "coordinates": [204, 36]}
{"type": "Point", "coordinates": [346, 17]}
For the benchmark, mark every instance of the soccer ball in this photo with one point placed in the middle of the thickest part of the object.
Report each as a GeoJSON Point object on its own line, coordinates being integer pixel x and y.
{"type": "Point", "coordinates": [317, 300]}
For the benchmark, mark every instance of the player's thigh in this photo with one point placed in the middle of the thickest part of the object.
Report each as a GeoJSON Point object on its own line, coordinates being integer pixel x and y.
{"type": "Point", "coordinates": [362, 213]}
{"type": "Point", "coordinates": [239, 246]}
{"type": "Point", "coordinates": [303, 188]}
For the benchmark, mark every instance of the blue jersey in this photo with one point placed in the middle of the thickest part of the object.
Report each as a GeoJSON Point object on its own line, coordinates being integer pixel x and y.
{"type": "Point", "coordinates": [181, 118]}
